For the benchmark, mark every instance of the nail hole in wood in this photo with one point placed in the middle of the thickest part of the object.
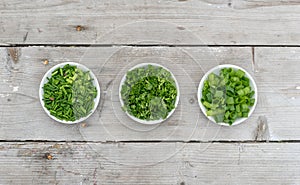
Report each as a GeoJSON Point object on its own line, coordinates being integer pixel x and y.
{"type": "Point", "coordinates": [80, 28]}
{"type": "Point", "coordinates": [48, 156]}
{"type": "Point", "coordinates": [46, 62]}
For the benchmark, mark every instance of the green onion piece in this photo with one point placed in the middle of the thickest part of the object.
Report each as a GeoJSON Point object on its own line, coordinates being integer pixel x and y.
{"type": "Point", "coordinates": [227, 94]}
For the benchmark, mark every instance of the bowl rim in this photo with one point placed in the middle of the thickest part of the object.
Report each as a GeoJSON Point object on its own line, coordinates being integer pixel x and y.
{"type": "Point", "coordinates": [150, 122]}
{"type": "Point", "coordinates": [84, 68]}
{"type": "Point", "coordinates": [252, 84]}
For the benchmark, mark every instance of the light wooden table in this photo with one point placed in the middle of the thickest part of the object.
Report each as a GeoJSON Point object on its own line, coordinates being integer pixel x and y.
{"type": "Point", "coordinates": [187, 36]}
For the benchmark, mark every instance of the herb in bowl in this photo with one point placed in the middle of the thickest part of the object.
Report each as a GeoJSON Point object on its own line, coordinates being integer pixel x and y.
{"type": "Point", "coordinates": [228, 96]}
{"type": "Point", "coordinates": [149, 92]}
{"type": "Point", "coordinates": [69, 93]}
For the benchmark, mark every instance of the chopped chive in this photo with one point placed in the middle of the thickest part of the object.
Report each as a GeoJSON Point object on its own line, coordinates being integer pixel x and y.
{"type": "Point", "coordinates": [65, 93]}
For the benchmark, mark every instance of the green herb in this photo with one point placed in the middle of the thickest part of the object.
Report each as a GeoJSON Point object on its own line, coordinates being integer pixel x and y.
{"type": "Point", "coordinates": [227, 96]}
{"type": "Point", "coordinates": [149, 93]}
{"type": "Point", "coordinates": [69, 93]}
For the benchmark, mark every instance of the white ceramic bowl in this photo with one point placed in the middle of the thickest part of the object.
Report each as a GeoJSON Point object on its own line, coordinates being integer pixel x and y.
{"type": "Point", "coordinates": [49, 73]}
{"type": "Point", "coordinates": [216, 70]}
{"type": "Point", "coordinates": [150, 121]}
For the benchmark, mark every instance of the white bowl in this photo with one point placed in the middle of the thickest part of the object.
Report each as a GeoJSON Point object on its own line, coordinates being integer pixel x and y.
{"type": "Point", "coordinates": [216, 70]}
{"type": "Point", "coordinates": [150, 122]}
{"type": "Point", "coordinates": [83, 68]}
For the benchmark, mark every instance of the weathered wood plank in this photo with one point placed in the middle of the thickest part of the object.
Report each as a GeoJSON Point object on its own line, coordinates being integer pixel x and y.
{"type": "Point", "coordinates": [188, 22]}
{"type": "Point", "coordinates": [275, 118]}
{"type": "Point", "coordinates": [280, 67]}
{"type": "Point", "coordinates": [112, 163]}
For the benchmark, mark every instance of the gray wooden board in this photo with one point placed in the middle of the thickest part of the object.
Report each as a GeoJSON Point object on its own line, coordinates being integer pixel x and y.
{"type": "Point", "coordinates": [179, 22]}
{"type": "Point", "coordinates": [276, 71]}
{"type": "Point", "coordinates": [118, 163]}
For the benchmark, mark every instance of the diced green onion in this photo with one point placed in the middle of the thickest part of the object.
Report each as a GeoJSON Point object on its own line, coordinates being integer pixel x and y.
{"type": "Point", "coordinates": [227, 96]}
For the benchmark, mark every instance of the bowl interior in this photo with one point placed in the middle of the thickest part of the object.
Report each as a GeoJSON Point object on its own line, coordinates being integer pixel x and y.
{"type": "Point", "coordinates": [45, 80]}
{"type": "Point", "coordinates": [216, 70]}
{"type": "Point", "coordinates": [150, 121]}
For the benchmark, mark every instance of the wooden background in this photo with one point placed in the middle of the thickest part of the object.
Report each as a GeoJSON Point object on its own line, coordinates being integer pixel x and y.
{"type": "Point", "coordinates": [187, 36]}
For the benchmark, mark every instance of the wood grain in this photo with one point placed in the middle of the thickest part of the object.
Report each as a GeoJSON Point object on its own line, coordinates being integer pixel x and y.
{"type": "Point", "coordinates": [175, 22]}
{"type": "Point", "coordinates": [112, 163]}
{"type": "Point", "coordinates": [276, 117]}
{"type": "Point", "coordinates": [109, 148]}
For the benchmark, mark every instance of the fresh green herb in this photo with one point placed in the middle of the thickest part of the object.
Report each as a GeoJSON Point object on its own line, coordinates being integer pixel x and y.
{"type": "Point", "coordinates": [149, 93]}
{"type": "Point", "coordinates": [69, 93]}
{"type": "Point", "coordinates": [227, 96]}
